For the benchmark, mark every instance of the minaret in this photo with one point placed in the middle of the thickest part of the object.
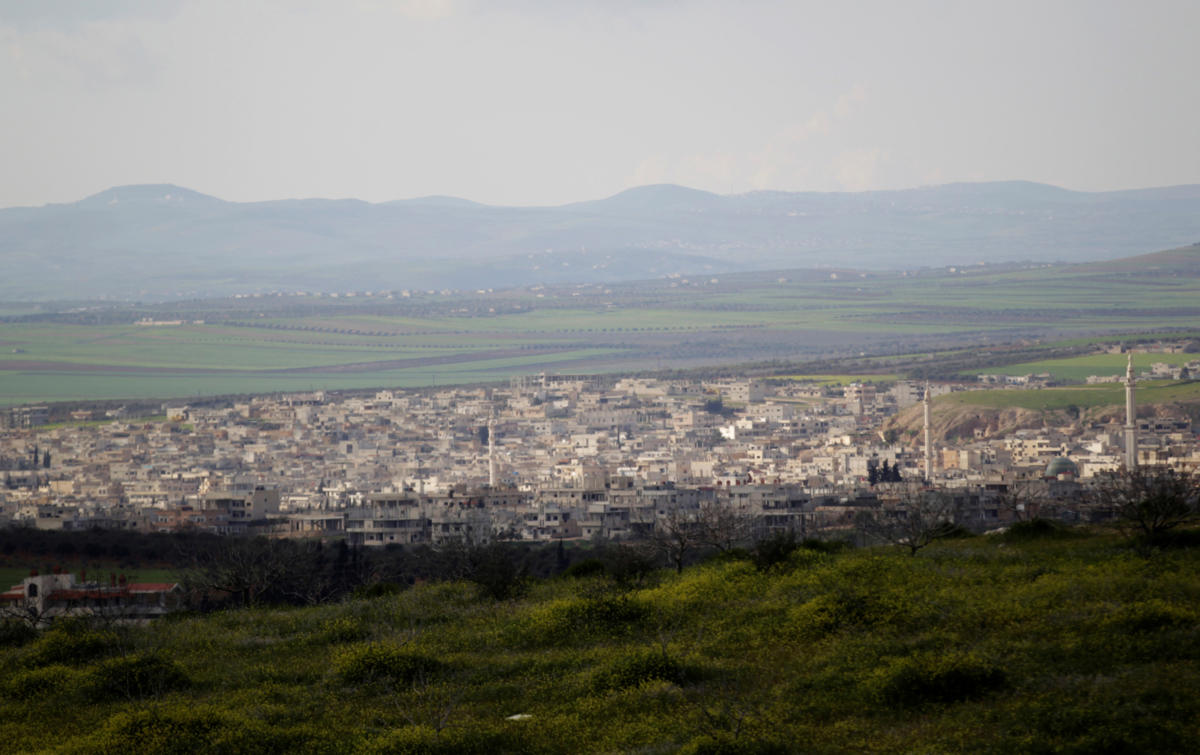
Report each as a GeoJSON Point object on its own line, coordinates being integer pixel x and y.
{"type": "Point", "coordinates": [492, 449]}
{"type": "Point", "coordinates": [1130, 417]}
{"type": "Point", "coordinates": [928, 437]}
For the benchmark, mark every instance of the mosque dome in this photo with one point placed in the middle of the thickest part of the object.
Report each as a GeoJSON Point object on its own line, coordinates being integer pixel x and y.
{"type": "Point", "coordinates": [1061, 466]}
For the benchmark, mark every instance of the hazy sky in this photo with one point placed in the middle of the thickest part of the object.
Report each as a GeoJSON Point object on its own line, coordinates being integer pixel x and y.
{"type": "Point", "coordinates": [551, 101]}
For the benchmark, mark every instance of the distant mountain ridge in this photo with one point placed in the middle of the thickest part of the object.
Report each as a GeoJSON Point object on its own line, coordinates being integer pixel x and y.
{"type": "Point", "coordinates": [145, 194]}
{"type": "Point", "coordinates": [156, 242]}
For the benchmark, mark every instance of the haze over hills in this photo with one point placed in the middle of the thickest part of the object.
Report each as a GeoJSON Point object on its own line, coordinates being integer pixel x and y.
{"type": "Point", "coordinates": [160, 242]}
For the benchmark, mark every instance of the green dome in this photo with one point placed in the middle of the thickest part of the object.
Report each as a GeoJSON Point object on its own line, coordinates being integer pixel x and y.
{"type": "Point", "coordinates": [1061, 465]}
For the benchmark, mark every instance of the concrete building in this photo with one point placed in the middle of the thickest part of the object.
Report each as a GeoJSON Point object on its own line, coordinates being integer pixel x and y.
{"type": "Point", "coordinates": [41, 599]}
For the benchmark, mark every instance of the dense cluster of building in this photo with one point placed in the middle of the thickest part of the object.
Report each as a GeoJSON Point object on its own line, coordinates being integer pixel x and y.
{"type": "Point", "coordinates": [546, 457]}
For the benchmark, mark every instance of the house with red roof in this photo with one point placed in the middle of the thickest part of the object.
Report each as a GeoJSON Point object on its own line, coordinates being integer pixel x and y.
{"type": "Point", "coordinates": [41, 598]}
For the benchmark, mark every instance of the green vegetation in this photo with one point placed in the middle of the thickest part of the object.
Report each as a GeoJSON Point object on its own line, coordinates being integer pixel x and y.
{"type": "Point", "coordinates": [11, 575]}
{"type": "Point", "coordinates": [100, 554]}
{"type": "Point", "coordinates": [273, 344]}
{"type": "Point", "coordinates": [56, 362]}
{"type": "Point", "coordinates": [840, 379]}
{"type": "Point", "coordinates": [1046, 641]}
{"type": "Point", "coordinates": [1083, 397]}
{"type": "Point", "coordinates": [1079, 368]}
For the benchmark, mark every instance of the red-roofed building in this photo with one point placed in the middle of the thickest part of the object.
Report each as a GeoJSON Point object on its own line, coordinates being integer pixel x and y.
{"type": "Point", "coordinates": [40, 599]}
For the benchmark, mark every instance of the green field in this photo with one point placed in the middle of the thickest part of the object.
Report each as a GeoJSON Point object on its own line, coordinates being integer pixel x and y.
{"type": "Point", "coordinates": [1082, 397]}
{"type": "Point", "coordinates": [53, 362]}
{"type": "Point", "coordinates": [267, 345]}
{"type": "Point", "coordinates": [840, 379]}
{"type": "Point", "coordinates": [1065, 642]}
{"type": "Point", "coordinates": [1079, 368]}
{"type": "Point", "coordinates": [12, 575]}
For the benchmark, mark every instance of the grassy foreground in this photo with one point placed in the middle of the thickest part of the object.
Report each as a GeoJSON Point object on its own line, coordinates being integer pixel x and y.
{"type": "Point", "coordinates": [1059, 644]}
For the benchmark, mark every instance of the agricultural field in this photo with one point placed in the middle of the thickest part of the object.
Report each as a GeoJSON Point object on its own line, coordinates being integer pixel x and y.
{"type": "Point", "coordinates": [285, 343]}
{"type": "Point", "coordinates": [54, 362]}
{"type": "Point", "coordinates": [98, 553]}
{"type": "Point", "coordinates": [1082, 397]}
{"type": "Point", "coordinates": [1039, 640]}
{"type": "Point", "coordinates": [1079, 368]}
{"type": "Point", "coordinates": [102, 570]}
{"type": "Point", "coordinates": [839, 379]}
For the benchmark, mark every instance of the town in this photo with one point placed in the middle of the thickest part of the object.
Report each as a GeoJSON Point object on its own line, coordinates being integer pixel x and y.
{"type": "Point", "coordinates": [561, 457]}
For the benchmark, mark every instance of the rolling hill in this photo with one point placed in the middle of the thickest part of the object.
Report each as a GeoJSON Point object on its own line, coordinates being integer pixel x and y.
{"type": "Point", "coordinates": [164, 242]}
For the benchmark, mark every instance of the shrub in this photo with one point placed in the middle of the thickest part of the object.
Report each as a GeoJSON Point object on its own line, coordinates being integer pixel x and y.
{"type": "Point", "coordinates": [184, 729]}
{"type": "Point", "coordinates": [730, 554]}
{"type": "Point", "coordinates": [135, 676]}
{"type": "Point", "coordinates": [638, 668]}
{"type": "Point", "coordinates": [381, 661]}
{"type": "Point", "coordinates": [957, 532]}
{"type": "Point", "coordinates": [378, 590]}
{"type": "Point", "coordinates": [706, 745]}
{"type": "Point", "coordinates": [1036, 529]}
{"type": "Point", "coordinates": [589, 567]}
{"type": "Point", "coordinates": [824, 546]}
{"type": "Point", "coordinates": [16, 633]}
{"type": "Point", "coordinates": [341, 629]}
{"type": "Point", "coordinates": [913, 682]}
{"type": "Point", "coordinates": [1152, 616]}
{"type": "Point", "coordinates": [601, 615]}
{"type": "Point", "coordinates": [498, 570]}
{"type": "Point", "coordinates": [1178, 538]}
{"type": "Point", "coordinates": [423, 740]}
{"type": "Point", "coordinates": [834, 611]}
{"type": "Point", "coordinates": [774, 549]}
{"type": "Point", "coordinates": [1092, 716]}
{"type": "Point", "coordinates": [174, 730]}
{"type": "Point", "coordinates": [628, 565]}
{"type": "Point", "coordinates": [71, 644]}
{"type": "Point", "coordinates": [41, 682]}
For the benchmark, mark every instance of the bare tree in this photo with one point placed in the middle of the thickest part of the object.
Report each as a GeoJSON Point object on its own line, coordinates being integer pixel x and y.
{"type": "Point", "coordinates": [316, 576]}
{"type": "Point", "coordinates": [249, 570]}
{"type": "Point", "coordinates": [917, 518]}
{"type": "Point", "coordinates": [723, 526]}
{"type": "Point", "coordinates": [1024, 498]}
{"type": "Point", "coordinates": [1151, 500]}
{"type": "Point", "coordinates": [677, 533]}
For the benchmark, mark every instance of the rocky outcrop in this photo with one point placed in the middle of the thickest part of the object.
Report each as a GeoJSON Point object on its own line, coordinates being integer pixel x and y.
{"type": "Point", "coordinates": [950, 422]}
{"type": "Point", "coordinates": [959, 422]}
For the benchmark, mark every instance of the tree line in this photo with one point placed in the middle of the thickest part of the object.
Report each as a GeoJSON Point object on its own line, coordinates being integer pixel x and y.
{"type": "Point", "coordinates": [1151, 504]}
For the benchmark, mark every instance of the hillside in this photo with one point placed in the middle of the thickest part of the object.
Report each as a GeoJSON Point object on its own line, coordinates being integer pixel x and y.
{"type": "Point", "coordinates": [1183, 261]}
{"type": "Point", "coordinates": [999, 413]}
{"type": "Point", "coordinates": [1026, 643]}
{"type": "Point", "coordinates": [164, 242]}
